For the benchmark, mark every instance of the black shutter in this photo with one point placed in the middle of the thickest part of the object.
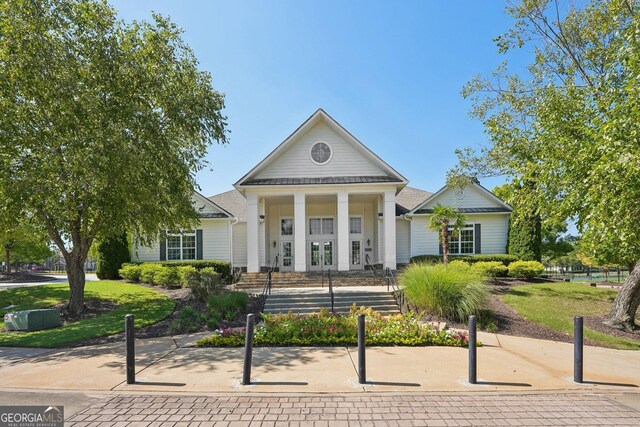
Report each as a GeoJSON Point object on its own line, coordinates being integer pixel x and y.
{"type": "Point", "coordinates": [198, 244]}
{"type": "Point", "coordinates": [163, 247]}
{"type": "Point", "coordinates": [476, 235]}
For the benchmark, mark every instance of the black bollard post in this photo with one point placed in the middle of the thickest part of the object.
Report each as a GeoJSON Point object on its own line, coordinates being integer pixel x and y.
{"type": "Point", "coordinates": [248, 351]}
{"type": "Point", "coordinates": [577, 349]}
{"type": "Point", "coordinates": [362, 365]}
{"type": "Point", "coordinates": [129, 334]}
{"type": "Point", "coordinates": [473, 362]}
{"type": "Point", "coordinates": [331, 291]}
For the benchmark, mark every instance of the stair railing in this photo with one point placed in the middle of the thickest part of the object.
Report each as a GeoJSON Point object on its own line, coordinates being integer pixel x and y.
{"type": "Point", "coordinates": [330, 289]}
{"type": "Point", "coordinates": [367, 261]}
{"type": "Point", "coordinates": [266, 290]}
{"type": "Point", "coordinates": [398, 293]}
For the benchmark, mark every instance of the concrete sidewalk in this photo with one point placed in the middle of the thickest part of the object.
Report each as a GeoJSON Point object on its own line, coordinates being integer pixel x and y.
{"type": "Point", "coordinates": [169, 365]}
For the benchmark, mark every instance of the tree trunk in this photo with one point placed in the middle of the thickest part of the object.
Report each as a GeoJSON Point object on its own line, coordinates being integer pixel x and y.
{"type": "Point", "coordinates": [444, 241]}
{"type": "Point", "coordinates": [7, 258]}
{"type": "Point", "coordinates": [623, 311]}
{"type": "Point", "coordinates": [75, 274]}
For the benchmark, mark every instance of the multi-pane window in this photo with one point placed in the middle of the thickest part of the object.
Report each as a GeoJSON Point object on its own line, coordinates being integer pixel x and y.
{"type": "Point", "coordinates": [462, 242]}
{"type": "Point", "coordinates": [319, 226]}
{"type": "Point", "coordinates": [181, 246]}
{"type": "Point", "coordinates": [355, 225]}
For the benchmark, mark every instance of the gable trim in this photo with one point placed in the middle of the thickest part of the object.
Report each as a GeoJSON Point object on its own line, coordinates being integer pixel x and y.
{"type": "Point", "coordinates": [206, 202]}
{"type": "Point", "coordinates": [505, 206]}
{"type": "Point", "coordinates": [320, 114]}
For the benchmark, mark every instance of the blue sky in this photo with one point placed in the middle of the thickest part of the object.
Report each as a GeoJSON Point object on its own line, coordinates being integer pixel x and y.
{"type": "Point", "coordinates": [389, 72]}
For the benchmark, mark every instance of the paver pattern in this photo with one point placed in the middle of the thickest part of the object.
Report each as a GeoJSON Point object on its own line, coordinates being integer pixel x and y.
{"type": "Point", "coordinates": [576, 409]}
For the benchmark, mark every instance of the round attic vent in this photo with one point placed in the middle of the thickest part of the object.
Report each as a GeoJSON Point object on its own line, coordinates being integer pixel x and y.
{"type": "Point", "coordinates": [320, 153]}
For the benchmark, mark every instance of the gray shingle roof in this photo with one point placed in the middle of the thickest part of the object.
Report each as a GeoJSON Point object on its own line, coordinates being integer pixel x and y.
{"type": "Point", "coordinates": [468, 210]}
{"type": "Point", "coordinates": [235, 203]}
{"type": "Point", "coordinates": [321, 180]}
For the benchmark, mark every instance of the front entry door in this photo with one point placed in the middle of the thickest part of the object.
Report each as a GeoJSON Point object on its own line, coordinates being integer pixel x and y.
{"type": "Point", "coordinates": [286, 256]}
{"type": "Point", "coordinates": [321, 255]}
{"type": "Point", "coordinates": [355, 254]}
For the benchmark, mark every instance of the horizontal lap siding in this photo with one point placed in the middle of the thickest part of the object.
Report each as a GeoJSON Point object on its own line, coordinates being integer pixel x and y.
{"type": "Point", "coordinates": [403, 236]}
{"type": "Point", "coordinates": [494, 230]}
{"type": "Point", "coordinates": [296, 163]}
{"type": "Point", "coordinates": [473, 198]}
{"type": "Point", "coordinates": [240, 244]}
{"type": "Point", "coordinates": [215, 243]}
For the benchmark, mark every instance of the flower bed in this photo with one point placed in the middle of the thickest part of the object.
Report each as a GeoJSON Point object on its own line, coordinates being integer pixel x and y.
{"type": "Point", "coordinates": [327, 329]}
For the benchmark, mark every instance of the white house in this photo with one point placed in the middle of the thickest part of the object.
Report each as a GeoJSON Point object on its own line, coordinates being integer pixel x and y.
{"type": "Point", "coordinates": [323, 200]}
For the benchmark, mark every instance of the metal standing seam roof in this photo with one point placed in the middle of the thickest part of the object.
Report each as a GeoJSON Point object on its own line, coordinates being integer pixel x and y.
{"type": "Point", "coordinates": [469, 210]}
{"type": "Point", "coordinates": [322, 180]}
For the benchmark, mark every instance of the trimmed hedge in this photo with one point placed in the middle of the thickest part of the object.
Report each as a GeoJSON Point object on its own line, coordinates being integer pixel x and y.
{"type": "Point", "coordinates": [490, 268]}
{"type": "Point", "coordinates": [221, 267]}
{"type": "Point", "coordinates": [526, 269]}
{"type": "Point", "coordinates": [471, 259]}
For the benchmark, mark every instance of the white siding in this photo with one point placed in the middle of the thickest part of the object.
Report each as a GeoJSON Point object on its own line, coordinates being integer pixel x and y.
{"type": "Point", "coordinates": [215, 243]}
{"type": "Point", "coordinates": [295, 161]}
{"type": "Point", "coordinates": [403, 239]}
{"type": "Point", "coordinates": [240, 244]}
{"type": "Point", "coordinates": [473, 198]}
{"type": "Point", "coordinates": [493, 234]}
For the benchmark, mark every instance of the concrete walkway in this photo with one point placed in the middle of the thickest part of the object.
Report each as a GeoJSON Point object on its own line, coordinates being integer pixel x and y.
{"type": "Point", "coordinates": [505, 363]}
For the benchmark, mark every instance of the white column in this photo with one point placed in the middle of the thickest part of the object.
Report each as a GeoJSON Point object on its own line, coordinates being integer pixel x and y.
{"type": "Point", "coordinates": [389, 219]}
{"type": "Point", "coordinates": [253, 261]}
{"type": "Point", "coordinates": [300, 234]}
{"type": "Point", "coordinates": [343, 231]}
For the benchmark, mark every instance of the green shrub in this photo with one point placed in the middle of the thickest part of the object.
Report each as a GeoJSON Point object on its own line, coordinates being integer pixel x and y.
{"type": "Point", "coordinates": [112, 253]}
{"type": "Point", "coordinates": [471, 259]}
{"type": "Point", "coordinates": [188, 321]}
{"type": "Point", "coordinates": [490, 268]}
{"type": "Point", "coordinates": [203, 283]}
{"type": "Point", "coordinates": [452, 293]}
{"type": "Point", "coordinates": [456, 263]}
{"type": "Point", "coordinates": [227, 306]}
{"type": "Point", "coordinates": [148, 271]}
{"type": "Point", "coordinates": [526, 269]}
{"type": "Point", "coordinates": [221, 267]}
{"type": "Point", "coordinates": [130, 273]}
{"type": "Point", "coordinates": [186, 274]}
{"type": "Point", "coordinates": [325, 328]}
{"type": "Point", "coordinates": [167, 277]}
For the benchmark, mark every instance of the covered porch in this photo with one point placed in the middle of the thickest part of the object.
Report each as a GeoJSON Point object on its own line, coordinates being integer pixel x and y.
{"type": "Point", "coordinates": [318, 229]}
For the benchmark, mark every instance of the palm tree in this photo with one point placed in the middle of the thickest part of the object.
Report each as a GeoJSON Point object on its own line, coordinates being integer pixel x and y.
{"type": "Point", "coordinates": [440, 220]}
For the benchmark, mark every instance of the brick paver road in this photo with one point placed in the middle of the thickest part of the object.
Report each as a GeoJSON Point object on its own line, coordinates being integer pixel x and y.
{"type": "Point", "coordinates": [579, 409]}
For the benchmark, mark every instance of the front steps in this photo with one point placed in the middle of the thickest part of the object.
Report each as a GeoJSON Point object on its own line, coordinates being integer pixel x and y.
{"type": "Point", "coordinates": [307, 301]}
{"type": "Point", "coordinates": [256, 281]}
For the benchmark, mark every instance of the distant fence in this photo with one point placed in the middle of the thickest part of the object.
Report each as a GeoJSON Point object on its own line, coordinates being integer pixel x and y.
{"type": "Point", "coordinates": [586, 274]}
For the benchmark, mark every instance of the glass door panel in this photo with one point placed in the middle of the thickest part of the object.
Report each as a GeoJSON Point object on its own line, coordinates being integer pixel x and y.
{"type": "Point", "coordinates": [287, 255]}
{"type": "Point", "coordinates": [315, 254]}
{"type": "Point", "coordinates": [328, 253]}
{"type": "Point", "coordinates": [356, 253]}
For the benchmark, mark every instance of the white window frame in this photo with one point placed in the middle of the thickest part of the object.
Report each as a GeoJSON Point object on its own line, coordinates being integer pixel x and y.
{"type": "Point", "coordinates": [322, 218]}
{"type": "Point", "coordinates": [361, 225]}
{"type": "Point", "coordinates": [182, 247]}
{"type": "Point", "coordinates": [473, 239]}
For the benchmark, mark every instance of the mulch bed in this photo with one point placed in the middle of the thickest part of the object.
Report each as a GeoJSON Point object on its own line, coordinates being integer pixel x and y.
{"type": "Point", "coordinates": [24, 277]}
{"type": "Point", "coordinates": [92, 308]}
{"type": "Point", "coordinates": [597, 324]}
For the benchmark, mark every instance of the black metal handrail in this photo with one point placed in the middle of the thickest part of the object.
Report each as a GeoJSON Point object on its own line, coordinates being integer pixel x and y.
{"type": "Point", "coordinates": [267, 286]}
{"type": "Point", "coordinates": [367, 262]}
{"type": "Point", "coordinates": [330, 289]}
{"type": "Point", "coordinates": [398, 292]}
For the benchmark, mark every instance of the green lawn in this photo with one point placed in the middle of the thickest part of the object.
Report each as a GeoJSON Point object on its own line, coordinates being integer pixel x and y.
{"type": "Point", "coordinates": [148, 306]}
{"type": "Point", "coordinates": [555, 305]}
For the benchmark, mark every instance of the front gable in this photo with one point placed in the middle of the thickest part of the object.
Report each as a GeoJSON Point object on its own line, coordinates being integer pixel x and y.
{"type": "Point", "coordinates": [206, 208]}
{"type": "Point", "coordinates": [320, 151]}
{"type": "Point", "coordinates": [473, 198]}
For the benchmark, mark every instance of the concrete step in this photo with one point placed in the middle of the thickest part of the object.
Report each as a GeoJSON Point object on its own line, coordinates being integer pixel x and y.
{"type": "Point", "coordinates": [311, 302]}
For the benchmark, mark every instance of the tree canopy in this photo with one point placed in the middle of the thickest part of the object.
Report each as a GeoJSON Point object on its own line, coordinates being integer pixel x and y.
{"type": "Point", "coordinates": [571, 124]}
{"type": "Point", "coordinates": [103, 124]}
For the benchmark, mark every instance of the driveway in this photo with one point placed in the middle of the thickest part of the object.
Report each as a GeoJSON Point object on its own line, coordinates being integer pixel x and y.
{"type": "Point", "coordinates": [55, 278]}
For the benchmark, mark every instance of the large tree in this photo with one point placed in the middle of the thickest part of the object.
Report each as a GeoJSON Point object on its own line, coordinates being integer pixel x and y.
{"type": "Point", "coordinates": [571, 124]}
{"type": "Point", "coordinates": [103, 124]}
